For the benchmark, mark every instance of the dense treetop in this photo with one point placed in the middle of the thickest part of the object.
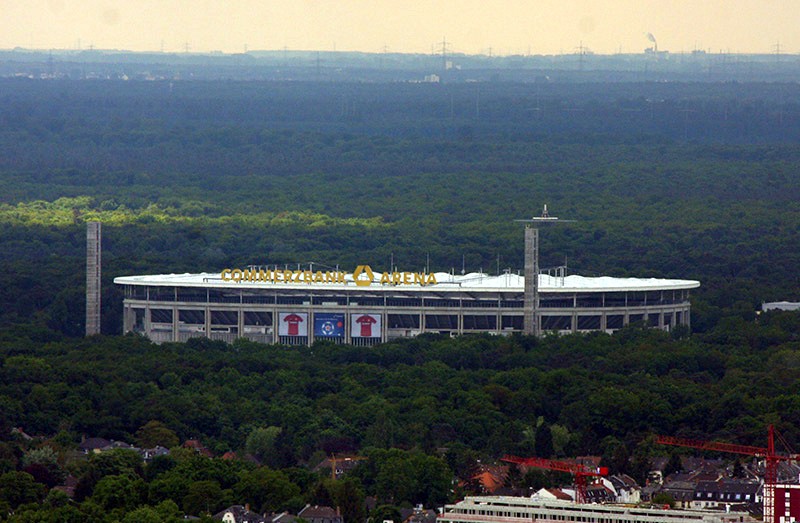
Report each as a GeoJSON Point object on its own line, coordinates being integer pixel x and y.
{"type": "Point", "coordinates": [664, 180]}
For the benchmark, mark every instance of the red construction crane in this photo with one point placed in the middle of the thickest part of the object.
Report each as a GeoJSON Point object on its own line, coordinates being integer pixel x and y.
{"type": "Point", "coordinates": [582, 473]}
{"type": "Point", "coordinates": [770, 458]}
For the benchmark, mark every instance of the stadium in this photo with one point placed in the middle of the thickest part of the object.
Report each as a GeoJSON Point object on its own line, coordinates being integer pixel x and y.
{"type": "Point", "coordinates": [365, 307]}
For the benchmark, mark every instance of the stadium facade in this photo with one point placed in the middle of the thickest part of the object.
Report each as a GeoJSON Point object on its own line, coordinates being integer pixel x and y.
{"type": "Point", "coordinates": [365, 307]}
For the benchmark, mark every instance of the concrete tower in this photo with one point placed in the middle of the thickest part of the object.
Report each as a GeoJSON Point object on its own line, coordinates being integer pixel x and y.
{"type": "Point", "coordinates": [93, 278]}
{"type": "Point", "coordinates": [531, 296]}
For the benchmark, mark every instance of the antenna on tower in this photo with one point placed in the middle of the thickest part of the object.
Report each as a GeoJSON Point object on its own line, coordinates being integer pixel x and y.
{"type": "Point", "coordinates": [582, 50]}
{"type": "Point", "coordinates": [531, 295]}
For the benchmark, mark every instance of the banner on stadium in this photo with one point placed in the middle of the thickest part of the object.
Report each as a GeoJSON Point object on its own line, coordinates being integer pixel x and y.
{"type": "Point", "coordinates": [328, 325]}
{"type": "Point", "coordinates": [293, 324]}
{"type": "Point", "coordinates": [365, 325]}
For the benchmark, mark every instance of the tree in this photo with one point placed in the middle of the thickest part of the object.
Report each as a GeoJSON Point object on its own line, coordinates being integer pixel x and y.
{"type": "Point", "coordinates": [155, 433]}
{"type": "Point", "coordinates": [122, 491]}
{"type": "Point", "coordinates": [544, 441]}
{"type": "Point", "coordinates": [143, 515]}
{"type": "Point", "coordinates": [662, 498]}
{"type": "Point", "coordinates": [348, 496]}
{"type": "Point", "coordinates": [261, 442]}
{"type": "Point", "coordinates": [266, 490]}
{"type": "Point", "coordinates": [116, 461]}
{"type": "Point", "coordinates": [17, 488]}
{"type": "Point", "coordinates": [42, 464]}
{"type": "Point", "coordinates": [386, 513]}
{"type": "Point", "coordinates": [204, 497]}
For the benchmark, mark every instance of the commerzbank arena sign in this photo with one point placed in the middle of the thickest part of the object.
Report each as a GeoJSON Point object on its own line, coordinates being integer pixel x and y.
{"type": "Point", "coordinates": [363, 276]}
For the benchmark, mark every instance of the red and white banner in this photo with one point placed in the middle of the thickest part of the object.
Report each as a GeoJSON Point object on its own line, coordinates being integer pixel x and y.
{"type": "Point", "coordinates": [364, 325]}
{"type": "Point", "coordinates": [293, 324]}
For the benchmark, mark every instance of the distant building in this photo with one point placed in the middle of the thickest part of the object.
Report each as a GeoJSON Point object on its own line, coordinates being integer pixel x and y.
{"type": "Point", "coordinates": [239, 514]}
{"type": "Point", "coordinates": [319, 514]}
{"type": "Point", "coordinates": [787, 503]}
{"type": "Point", "coordinates": [780, 306]}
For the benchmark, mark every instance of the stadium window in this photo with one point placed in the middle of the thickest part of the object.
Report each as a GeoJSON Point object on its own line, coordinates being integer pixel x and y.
{"type": "Point", "coordinates": [192, 294]}
{"type": "Point", "coordinates": [588, 322]}
{"type": "Point", "coordinates": [160, 315]}
{"type": "Point", "coordinates": [511, 322]}
{"type": "Point", "coordinates": [192, 316]}
{"type": "Point", "coordinates": [480, 322]}
{"type": "Point", "coordinates": [257, 318]}
{"type": "Point", "coordinates": [556, 323]}
{"type": "Point", "coordinates": [161, 293]}
{"type": "Point", "coordinates": [224, 318]}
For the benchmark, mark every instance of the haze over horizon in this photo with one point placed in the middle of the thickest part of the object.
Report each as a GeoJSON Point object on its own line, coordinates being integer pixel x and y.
{"type": "Point", "coordinates": [417, 26]}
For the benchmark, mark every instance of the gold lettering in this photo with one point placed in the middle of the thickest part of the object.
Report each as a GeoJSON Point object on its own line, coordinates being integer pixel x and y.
{"type": "Point", "coordinates": [362, 276]}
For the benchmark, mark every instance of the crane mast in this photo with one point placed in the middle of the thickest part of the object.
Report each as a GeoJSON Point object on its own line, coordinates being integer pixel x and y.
{"type": "Point", "coordinates": [771, 461]}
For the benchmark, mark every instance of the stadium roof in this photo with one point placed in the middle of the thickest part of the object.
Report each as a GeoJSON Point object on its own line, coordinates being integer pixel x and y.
{"type": "Point", "coordinates": [445, 281]}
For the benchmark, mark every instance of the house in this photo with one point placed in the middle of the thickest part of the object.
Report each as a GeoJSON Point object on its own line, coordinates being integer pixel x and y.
{"type": "Point", "coordinates": [198, 447]}
{"type": "Point", "coordinates": [551, 494]}
{"type": "Point", "coordinates": [491, 478]}
{"type": "Point", "coordinates": [600, 493]}
{"type": "Point", "coordinates": [148, 454]}
{"type": "Point", "coordinates": [283, 517]}
{"type": "Point", "coordinates": [418, 515]}
{"type": "Point", "coordinates": [317, 514]}
{"type": "Point", "coordinates": [628, 491]}
{"type": "Point", "coordinates": [681, 490]}
{"type": "Point", "coordinates": [239, 514]}
{"type": "Point", "coordinates": [93, 445]}
{"type": "Point", "coordinates": [722, 493]}
{"type": "Point", "coordinates": [338, 464]}
{"type": "Point", "coordinates": [68, 487]}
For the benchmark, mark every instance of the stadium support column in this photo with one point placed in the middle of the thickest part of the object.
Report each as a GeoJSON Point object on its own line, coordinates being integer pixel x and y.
{"type": "Point", "coordinates": [93, 236]}
{"type": "Point", "coordinates": [531, 323]}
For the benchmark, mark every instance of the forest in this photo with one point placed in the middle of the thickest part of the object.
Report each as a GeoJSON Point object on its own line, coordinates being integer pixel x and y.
{"type": "Point", "coordinates": [664, 179]}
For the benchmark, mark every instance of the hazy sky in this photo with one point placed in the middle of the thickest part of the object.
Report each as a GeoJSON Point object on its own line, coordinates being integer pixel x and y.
{"type": "Point", "coordinates": [418, 26]}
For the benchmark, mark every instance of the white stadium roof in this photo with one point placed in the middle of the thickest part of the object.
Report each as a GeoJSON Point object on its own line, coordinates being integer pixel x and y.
{"type": "Point", "coordinates": [444, 281]}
